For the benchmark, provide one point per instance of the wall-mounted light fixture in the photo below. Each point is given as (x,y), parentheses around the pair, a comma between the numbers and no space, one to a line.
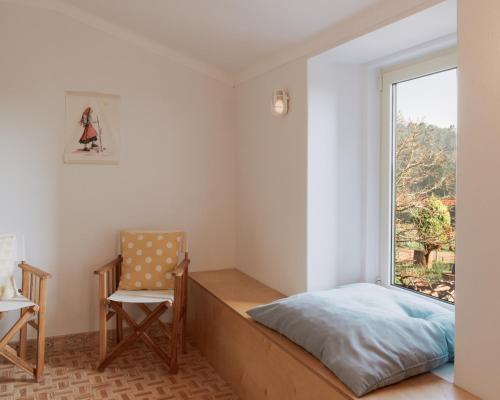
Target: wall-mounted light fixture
(279,103)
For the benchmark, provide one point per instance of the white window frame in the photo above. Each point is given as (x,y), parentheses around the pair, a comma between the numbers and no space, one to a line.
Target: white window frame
(437,63)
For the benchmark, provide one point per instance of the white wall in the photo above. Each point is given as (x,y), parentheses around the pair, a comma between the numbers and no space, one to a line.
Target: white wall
(478,217)
(272,180)
(322,170)
(336,115)
(370,192)
(177,166)
(350,92)
(304,170)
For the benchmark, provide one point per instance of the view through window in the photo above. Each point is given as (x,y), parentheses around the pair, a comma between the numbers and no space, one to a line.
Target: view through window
(424,180)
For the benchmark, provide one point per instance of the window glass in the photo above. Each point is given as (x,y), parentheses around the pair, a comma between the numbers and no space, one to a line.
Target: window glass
(423,181)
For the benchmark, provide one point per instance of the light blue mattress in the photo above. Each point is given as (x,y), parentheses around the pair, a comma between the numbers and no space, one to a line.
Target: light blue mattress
(369,336)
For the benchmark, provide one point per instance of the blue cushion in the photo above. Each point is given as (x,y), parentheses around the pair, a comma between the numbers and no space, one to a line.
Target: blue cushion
(369,336)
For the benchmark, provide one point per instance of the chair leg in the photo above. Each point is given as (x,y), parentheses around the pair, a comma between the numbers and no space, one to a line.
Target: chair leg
(23,337)
(23,333)
(8,352)
(173,367)
(184,311)
(183,335)
(103,332)
(40,349)
(174,341)
(119,327)
(139,330)
(40,345)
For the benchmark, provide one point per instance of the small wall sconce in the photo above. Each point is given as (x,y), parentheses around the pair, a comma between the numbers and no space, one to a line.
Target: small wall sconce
(279,103)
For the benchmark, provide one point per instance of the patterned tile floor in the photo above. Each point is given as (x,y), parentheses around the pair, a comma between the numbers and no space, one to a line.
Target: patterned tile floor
(70,374)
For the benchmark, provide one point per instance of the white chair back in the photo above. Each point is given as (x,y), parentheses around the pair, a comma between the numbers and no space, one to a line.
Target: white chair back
(8,258)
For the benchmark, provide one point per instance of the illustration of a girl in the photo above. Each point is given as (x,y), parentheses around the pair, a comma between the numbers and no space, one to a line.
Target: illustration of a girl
(89,134)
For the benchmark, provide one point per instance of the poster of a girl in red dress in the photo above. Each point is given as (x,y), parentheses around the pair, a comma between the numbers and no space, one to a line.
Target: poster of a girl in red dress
(89,134)
(92,128)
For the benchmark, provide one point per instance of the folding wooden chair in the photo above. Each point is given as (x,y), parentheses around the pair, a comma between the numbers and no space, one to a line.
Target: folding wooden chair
(112,298)
(31,303)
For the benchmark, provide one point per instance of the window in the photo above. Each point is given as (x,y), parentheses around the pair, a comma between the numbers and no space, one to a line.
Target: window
(419,164)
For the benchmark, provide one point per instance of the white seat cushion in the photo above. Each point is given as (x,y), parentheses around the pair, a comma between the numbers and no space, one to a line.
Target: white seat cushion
(142,296)
(16,303)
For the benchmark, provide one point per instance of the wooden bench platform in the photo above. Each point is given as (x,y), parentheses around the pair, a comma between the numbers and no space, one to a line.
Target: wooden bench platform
(260,363)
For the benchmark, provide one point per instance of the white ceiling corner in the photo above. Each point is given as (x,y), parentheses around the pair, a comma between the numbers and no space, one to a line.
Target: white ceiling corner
(218,37)
(234,40)
(122,32)
(369,19)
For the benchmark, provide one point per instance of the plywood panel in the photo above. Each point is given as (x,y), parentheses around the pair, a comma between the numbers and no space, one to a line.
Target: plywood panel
(254,366)
(262,364)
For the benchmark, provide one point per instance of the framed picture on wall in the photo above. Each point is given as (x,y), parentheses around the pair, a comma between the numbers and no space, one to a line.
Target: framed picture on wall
(92,129)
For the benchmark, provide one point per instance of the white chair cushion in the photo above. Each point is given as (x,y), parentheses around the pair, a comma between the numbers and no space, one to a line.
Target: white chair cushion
(16,303)
(142,296)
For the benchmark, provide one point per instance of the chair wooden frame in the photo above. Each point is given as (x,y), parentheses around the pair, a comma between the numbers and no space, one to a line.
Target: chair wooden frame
(109,279)
(34,288)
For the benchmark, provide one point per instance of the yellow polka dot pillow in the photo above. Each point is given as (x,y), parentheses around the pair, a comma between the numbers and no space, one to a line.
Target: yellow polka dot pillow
(148,259)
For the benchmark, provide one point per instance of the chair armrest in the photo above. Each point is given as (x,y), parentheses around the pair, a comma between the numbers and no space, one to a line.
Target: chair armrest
(109,277)
(35,271)
(181,268)
(34,285)
(108,267)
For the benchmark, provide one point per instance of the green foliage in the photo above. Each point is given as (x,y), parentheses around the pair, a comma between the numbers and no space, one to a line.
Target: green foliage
(433,224)
(432,275)
(411,245)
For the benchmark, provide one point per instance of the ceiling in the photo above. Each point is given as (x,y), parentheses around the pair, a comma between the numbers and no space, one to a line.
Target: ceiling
(440,23)
(228,34)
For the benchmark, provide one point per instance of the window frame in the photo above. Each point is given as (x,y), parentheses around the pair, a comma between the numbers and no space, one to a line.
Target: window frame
(435,63)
